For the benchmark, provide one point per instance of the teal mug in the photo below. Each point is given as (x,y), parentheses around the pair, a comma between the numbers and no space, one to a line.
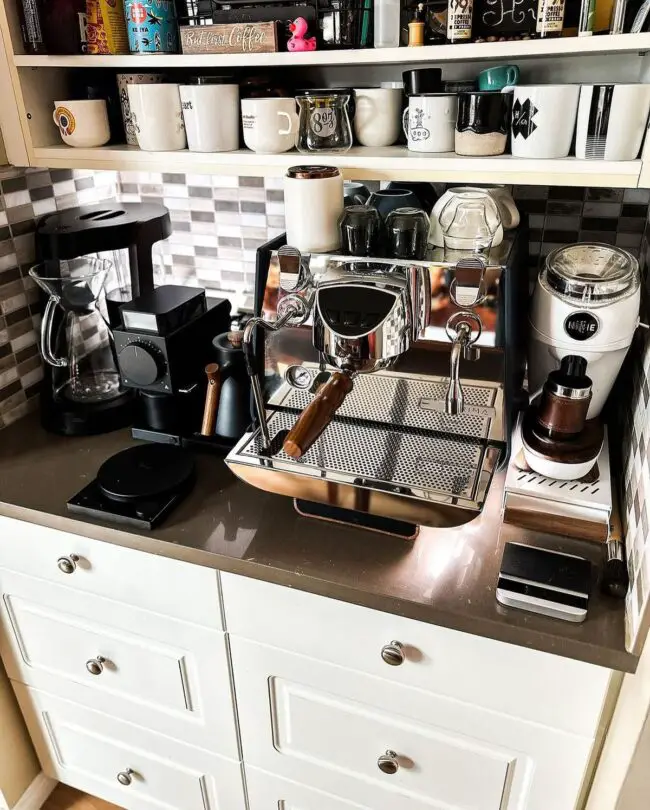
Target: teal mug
(496,78)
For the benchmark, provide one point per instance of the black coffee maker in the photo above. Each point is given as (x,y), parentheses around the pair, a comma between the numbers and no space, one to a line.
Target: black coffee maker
(93,253)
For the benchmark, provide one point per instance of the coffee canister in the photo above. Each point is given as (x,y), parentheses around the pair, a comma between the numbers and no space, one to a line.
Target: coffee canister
(313,204)
(152,26)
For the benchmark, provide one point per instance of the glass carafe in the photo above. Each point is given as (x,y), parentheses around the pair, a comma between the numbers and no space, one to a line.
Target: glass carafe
(324,121)
(75,339)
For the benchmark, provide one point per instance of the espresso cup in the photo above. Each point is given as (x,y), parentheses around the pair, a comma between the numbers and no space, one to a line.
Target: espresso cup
(211,115)
(82,123)
(270,124)
(543,120)
(612,120)
(496,78)
(377,115)
(482,123)
(429,122)
(157,117)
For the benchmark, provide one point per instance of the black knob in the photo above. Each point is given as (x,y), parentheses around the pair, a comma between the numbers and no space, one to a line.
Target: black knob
(141,364)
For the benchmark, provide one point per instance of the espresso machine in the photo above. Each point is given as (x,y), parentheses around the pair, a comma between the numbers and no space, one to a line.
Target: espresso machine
(385,390)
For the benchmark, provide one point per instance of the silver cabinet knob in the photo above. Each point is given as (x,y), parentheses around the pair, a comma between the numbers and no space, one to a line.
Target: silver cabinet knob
(68,564)
(96,665)
(387,763)
(393,653)
(125,777)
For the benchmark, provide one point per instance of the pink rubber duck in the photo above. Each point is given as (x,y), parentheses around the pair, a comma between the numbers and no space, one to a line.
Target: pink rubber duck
(298,41)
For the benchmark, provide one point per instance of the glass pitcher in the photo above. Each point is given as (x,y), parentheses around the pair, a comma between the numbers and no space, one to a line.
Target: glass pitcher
(78,342)
(324,121)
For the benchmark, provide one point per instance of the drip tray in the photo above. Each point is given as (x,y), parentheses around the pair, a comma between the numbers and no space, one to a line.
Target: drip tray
(409,464)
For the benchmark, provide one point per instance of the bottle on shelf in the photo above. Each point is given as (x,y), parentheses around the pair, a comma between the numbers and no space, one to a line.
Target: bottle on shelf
(459,20)
(31,26)
(387,23)
(550,18)
(53,26)
(416,27)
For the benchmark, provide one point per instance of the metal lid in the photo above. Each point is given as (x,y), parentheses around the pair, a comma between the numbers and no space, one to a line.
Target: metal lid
(312,172)
(590,273)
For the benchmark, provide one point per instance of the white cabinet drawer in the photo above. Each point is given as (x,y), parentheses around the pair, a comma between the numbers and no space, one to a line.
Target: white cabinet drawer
(167,675)
(558,692)
(88,750)
(269,792)
(171,587)
(326,727)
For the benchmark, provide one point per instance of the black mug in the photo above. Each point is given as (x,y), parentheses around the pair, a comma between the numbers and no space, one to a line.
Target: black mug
(483,122)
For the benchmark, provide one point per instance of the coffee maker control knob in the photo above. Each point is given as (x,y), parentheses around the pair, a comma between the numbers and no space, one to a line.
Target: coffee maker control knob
(141,364)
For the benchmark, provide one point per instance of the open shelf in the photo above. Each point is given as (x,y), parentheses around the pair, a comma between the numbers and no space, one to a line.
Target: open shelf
(479,51)
(360,163)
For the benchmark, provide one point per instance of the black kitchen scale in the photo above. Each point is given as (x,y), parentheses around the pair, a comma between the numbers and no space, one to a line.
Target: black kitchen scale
(138,487)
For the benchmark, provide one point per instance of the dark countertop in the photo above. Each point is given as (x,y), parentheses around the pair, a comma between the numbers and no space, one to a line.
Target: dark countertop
(446,577)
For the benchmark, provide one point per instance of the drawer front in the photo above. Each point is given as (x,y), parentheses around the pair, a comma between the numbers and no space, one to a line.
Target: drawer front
(88,750)
(173,588)
(170,676)
(269,792)
(557,692)
(329,728)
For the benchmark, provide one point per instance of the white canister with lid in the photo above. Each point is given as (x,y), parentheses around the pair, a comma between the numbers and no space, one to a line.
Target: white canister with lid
(313,203)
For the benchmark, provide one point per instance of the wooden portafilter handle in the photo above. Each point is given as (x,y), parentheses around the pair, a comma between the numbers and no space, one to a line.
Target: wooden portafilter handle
(211,399)
(317,415)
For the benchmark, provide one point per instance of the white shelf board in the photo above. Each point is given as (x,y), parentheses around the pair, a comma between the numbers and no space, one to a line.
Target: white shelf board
(360,163)
(475,51)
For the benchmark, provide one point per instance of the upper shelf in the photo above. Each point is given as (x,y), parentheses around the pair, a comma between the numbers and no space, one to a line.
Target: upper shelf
(479,51)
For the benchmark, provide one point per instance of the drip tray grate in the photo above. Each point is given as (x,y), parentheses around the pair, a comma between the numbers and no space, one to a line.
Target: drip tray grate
(399,401)
(411,463)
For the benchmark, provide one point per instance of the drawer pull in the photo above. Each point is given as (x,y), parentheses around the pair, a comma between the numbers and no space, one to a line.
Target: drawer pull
(96,665)
(393,653)
(68,564)
(125,778)
(387,763)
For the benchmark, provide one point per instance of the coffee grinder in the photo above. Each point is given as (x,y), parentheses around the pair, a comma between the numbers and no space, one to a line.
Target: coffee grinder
(72,247)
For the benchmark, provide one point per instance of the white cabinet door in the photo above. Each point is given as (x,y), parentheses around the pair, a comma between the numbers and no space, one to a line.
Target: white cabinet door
(126,764)
(269,792)
(547,689)
(166,675)
(174,588)
(327,727)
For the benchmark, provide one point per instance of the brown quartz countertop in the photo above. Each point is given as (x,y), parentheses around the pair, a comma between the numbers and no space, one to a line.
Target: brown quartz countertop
(446,577)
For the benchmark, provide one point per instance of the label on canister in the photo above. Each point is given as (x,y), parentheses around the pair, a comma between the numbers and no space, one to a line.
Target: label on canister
(152,26)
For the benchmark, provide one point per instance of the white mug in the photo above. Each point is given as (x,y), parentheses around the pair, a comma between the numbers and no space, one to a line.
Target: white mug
(157,117)
(82,123)
(211,115)
(612,120)
(377,115)
(543,120)
(270,124)
(123,80)
(429,122)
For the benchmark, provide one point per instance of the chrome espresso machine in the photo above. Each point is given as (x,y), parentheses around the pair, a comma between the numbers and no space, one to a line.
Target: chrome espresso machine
(385,391)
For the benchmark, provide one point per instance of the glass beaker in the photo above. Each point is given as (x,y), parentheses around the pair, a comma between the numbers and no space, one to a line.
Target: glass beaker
(469,221)
(78,342)
(324,121)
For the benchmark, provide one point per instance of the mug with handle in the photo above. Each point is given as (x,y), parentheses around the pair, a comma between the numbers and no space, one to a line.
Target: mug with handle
(429,122)
(263,121)
(377,115)
(82,123)
(498,78)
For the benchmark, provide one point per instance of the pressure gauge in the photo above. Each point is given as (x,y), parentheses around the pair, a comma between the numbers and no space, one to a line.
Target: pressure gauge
(298,377)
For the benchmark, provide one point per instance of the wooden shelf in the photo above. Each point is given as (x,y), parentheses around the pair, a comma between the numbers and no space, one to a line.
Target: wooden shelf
(360,163)
(437,54)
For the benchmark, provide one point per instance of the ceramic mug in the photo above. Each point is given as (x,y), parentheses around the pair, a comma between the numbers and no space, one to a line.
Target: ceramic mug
(82,123)
(497,78)
(429,122)
(157,117)
(612,120)
(211,115)
(377,115)
(543,120)
(123,80)
(483,123)
(270,124)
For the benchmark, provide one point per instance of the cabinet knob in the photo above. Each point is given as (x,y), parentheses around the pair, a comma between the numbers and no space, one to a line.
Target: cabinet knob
(393,653)
(125,777)
(96,665)
(68,564)
(387,763)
